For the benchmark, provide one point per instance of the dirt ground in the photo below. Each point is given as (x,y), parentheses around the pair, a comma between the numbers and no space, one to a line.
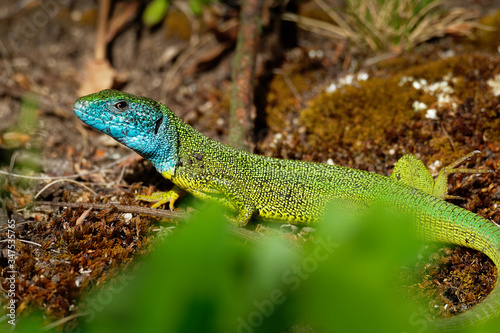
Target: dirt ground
(185,63)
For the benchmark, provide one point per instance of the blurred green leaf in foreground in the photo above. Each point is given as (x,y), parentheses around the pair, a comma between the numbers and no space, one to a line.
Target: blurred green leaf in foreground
(203,279)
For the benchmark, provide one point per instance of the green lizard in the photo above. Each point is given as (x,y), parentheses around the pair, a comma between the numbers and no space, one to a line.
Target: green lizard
(292,191)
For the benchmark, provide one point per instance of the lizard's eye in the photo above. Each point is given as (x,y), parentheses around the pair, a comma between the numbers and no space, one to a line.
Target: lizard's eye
(121,105)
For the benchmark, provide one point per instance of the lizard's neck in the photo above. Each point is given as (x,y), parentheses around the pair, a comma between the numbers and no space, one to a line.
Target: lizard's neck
(164,156)
(192,144)
(180,144)
(188,149)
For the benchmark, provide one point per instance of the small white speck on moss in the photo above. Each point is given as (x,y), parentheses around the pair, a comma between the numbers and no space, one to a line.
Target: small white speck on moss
(431,114)
(277,138)
(435,166)
(418,106)
(127,217)
(363,76)
(347,80)
(494,84)
(331,88)
(405,79)
(419,84)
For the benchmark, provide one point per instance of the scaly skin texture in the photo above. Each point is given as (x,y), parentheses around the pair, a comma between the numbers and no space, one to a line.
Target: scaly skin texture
(292,191)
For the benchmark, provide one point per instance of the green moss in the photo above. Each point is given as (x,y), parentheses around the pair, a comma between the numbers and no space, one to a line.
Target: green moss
(281,100)
(459,277)
(379,112)
(358,116)
(490,38)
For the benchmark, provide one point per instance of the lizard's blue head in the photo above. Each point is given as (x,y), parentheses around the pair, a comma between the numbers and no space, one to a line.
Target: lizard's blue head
(140,123)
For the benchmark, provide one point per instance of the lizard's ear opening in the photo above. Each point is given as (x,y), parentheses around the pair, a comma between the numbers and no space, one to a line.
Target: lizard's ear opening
(158,124)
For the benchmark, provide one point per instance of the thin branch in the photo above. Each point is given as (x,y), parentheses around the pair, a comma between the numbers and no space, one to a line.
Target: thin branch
(21,240)
(64,320)
(123,208)
(242,233)
(65,180)
(242,112)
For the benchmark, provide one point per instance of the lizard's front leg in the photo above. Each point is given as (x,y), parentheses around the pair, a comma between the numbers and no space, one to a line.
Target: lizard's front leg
(160,198)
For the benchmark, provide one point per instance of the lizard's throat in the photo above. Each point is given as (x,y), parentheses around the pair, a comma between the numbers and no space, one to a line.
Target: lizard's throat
(164,158)
(161,151)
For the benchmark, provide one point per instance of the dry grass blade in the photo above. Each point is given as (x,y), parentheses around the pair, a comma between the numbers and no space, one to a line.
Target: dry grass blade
(316,26)
(415,20)
(337,18)
(390,24)
(458,21)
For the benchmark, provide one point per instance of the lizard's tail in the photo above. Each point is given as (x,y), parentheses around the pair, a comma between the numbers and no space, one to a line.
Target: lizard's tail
(462,227)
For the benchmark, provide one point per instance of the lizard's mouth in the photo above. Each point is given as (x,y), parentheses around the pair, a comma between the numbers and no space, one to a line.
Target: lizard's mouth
(83,110)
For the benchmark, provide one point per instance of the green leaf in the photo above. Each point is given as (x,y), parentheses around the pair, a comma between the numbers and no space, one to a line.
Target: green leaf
(200,279)
(155,12)
(351,285)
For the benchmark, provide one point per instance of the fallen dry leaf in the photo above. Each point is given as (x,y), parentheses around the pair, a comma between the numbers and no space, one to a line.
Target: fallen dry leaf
(98,75)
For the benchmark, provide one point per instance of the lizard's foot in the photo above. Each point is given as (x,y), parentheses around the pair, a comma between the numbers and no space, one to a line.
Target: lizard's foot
(243,217)
(160,198)
(411,171)
(441,184)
